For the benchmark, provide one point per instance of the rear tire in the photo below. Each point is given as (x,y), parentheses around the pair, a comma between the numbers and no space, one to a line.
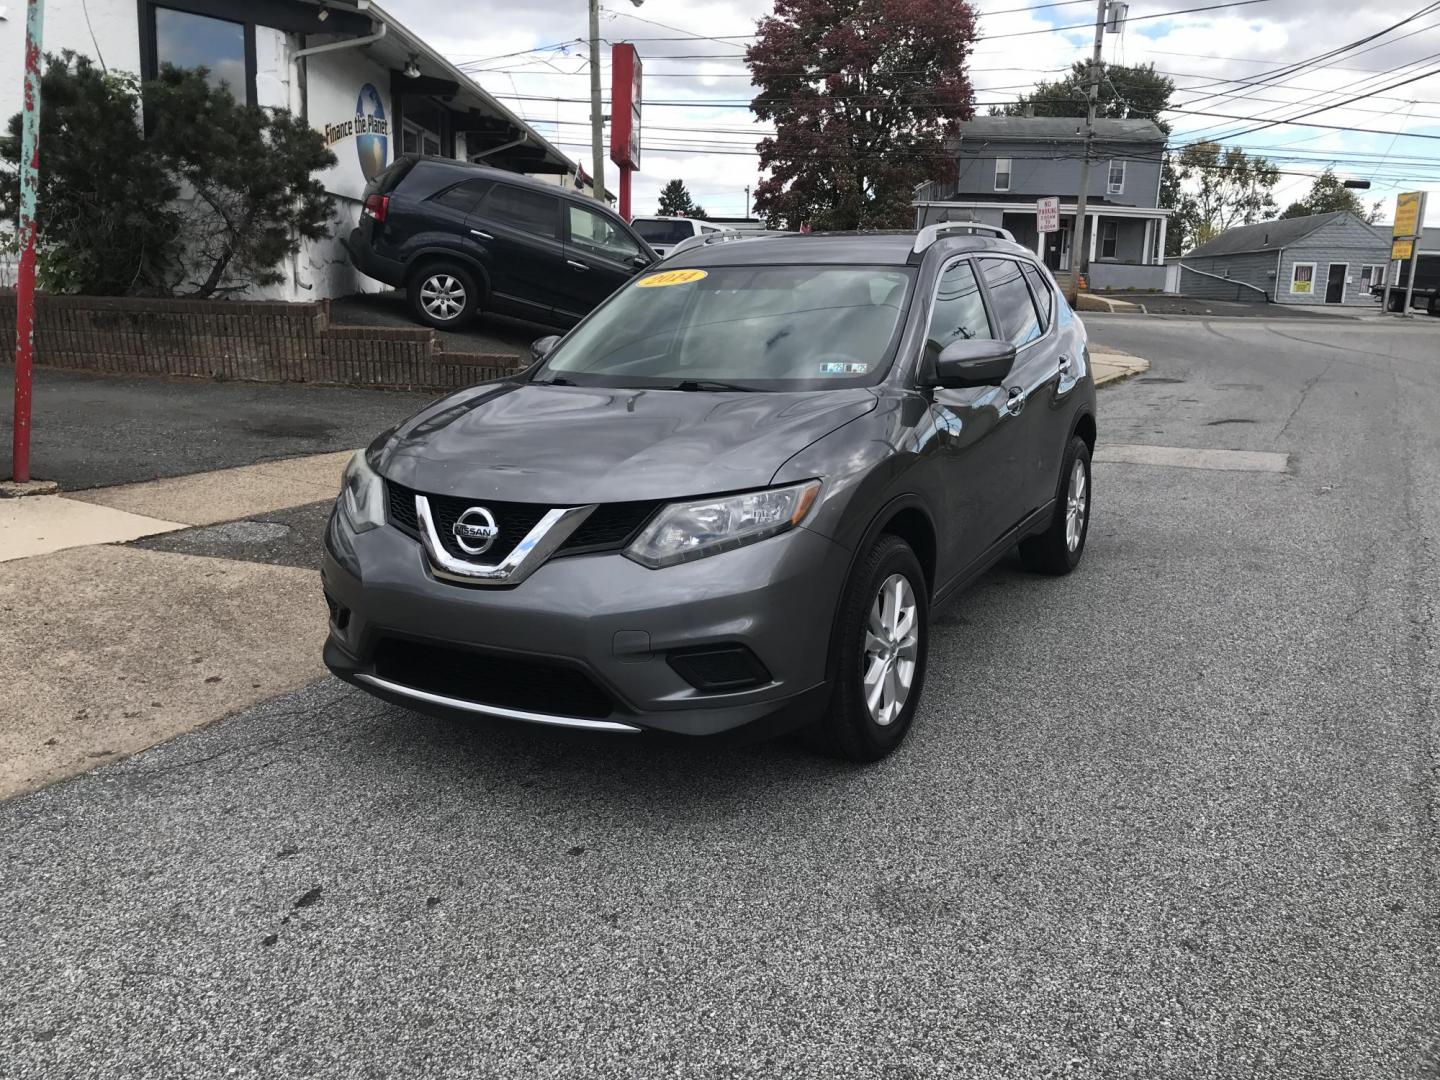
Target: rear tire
(443,295)
(1058,549)
(883,638)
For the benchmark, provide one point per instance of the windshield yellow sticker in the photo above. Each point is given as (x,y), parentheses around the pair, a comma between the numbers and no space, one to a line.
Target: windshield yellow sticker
(670,277)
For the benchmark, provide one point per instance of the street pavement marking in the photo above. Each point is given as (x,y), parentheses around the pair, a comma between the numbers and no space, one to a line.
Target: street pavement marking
(1185,457)
(40,524)
(227,494)
(110,650)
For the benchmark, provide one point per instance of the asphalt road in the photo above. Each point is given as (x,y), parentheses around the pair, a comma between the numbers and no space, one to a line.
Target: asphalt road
(1171,817)
(97,430)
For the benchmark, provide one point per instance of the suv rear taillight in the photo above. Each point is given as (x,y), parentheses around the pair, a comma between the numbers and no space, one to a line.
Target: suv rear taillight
(377,206)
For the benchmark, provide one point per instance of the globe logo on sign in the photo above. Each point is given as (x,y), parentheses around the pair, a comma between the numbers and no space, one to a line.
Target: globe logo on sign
(371,140)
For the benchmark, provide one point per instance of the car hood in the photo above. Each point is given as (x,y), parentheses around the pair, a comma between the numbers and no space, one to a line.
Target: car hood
(520,442)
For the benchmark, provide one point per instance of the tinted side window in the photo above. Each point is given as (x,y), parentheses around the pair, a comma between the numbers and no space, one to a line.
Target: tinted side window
(463,197)
(959,312)
(1041,288)
(1014,308)
(529,211)
(597,233)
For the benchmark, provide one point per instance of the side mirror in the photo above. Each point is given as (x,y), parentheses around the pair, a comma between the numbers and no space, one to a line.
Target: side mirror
(543,347)
(640,262)
(976,362)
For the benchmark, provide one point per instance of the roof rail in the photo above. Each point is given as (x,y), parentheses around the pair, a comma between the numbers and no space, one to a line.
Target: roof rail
(931,233)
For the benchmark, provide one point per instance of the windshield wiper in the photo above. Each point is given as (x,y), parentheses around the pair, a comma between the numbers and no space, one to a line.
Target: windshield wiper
(710,385)
(556,380)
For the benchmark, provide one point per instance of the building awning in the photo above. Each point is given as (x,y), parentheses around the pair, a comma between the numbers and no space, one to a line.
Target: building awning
(490,129)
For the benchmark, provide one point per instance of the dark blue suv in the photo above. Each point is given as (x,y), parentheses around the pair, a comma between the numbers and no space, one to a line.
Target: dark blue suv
(461,238)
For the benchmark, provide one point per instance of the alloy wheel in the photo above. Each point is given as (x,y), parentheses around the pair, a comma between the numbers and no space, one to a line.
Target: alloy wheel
(1077,504)
(892,642)
(442,296)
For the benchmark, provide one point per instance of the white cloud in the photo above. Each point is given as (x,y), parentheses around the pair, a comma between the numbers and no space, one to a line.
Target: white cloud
(1195,49)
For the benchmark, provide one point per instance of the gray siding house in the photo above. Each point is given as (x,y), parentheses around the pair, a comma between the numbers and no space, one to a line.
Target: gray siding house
(1320,259)
(1004,164)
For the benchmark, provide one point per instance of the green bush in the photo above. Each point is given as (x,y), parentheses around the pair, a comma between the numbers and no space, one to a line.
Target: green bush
(205,197)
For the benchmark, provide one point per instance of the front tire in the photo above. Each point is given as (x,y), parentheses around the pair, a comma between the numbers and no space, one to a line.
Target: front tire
(443,295)
(881,651)
(1058,549)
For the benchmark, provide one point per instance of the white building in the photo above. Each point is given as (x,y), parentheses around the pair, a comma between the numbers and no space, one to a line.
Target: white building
(369,85)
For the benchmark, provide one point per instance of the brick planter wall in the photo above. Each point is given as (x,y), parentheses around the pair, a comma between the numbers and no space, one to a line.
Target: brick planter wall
(253,341)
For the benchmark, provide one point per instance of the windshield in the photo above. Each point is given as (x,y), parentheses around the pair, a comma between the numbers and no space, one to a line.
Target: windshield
(663,232)
(739,327)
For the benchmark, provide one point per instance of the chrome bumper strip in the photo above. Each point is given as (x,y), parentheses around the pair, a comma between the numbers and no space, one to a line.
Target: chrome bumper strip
(497,710)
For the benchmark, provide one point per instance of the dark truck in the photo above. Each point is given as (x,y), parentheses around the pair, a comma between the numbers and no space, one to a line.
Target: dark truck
(1426,296)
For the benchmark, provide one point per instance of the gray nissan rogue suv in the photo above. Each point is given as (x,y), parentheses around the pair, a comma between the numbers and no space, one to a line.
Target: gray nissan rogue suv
(729,499)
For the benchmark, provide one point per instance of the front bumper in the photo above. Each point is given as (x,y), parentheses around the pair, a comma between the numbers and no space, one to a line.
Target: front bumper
(602,615)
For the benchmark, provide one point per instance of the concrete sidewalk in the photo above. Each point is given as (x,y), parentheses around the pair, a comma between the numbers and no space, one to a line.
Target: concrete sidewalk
(1109,365)
(109,648)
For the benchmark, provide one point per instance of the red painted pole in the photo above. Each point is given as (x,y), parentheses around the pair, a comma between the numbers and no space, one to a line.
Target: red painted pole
(25,280)
(625,172)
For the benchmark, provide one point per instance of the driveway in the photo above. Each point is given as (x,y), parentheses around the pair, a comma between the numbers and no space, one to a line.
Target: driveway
(1171,816)
(487,333)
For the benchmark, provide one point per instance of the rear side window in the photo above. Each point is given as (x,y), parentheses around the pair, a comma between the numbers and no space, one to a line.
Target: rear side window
(463,197)
(390,176)
(663,232)
(1041,288)
(533,212)
(1014,308)
(959,312)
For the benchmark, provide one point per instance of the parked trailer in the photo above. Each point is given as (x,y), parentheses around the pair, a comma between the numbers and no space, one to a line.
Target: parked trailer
(1426,296)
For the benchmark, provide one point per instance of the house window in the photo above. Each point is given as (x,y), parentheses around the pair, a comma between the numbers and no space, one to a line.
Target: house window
(1115,184)
(1109,235)
(184,39)
(1002,174)
(415,139)
(1302,279)
(1371,275)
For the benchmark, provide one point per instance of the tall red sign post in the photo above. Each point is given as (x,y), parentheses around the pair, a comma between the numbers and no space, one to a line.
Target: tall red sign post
(625,117)
(25,280)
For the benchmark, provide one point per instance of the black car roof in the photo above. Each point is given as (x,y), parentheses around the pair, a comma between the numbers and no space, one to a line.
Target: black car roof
(872,248)
(489,172)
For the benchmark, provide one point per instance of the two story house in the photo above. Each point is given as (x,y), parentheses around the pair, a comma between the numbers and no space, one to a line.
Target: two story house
(1003,164)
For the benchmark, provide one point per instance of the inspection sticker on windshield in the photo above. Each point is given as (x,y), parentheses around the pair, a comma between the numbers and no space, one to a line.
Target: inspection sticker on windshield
(670,277)
(843,369)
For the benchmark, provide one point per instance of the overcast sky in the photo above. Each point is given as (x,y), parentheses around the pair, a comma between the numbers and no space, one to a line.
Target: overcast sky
(707,137)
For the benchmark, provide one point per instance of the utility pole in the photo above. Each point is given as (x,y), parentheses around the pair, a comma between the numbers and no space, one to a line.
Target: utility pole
(597,121)
(746,215)
(1082,249)
(25,279)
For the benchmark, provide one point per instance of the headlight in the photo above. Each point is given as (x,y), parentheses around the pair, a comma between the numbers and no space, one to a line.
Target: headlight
(692,530)
(362,495)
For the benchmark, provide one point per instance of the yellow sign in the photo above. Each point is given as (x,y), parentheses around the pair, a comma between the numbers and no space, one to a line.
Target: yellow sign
(1407,214)
(670,277)
(1402,249)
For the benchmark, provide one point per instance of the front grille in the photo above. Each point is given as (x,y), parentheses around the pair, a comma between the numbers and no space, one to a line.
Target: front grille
(509,682)
(610,526)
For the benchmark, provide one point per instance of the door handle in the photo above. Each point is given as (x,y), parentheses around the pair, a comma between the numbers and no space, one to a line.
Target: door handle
(482,235)
(576,265)
(1016,401)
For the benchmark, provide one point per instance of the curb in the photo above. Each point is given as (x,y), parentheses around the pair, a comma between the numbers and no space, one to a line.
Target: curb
(11,489)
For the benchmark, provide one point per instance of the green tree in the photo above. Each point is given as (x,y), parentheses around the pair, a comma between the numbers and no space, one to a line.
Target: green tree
(1125,93)
(105,209)
(1229,187)
(675,201)
(207,198)
(862,94)
(1327,195)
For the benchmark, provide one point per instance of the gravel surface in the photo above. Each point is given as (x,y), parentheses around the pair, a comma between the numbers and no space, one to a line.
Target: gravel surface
(1170,817)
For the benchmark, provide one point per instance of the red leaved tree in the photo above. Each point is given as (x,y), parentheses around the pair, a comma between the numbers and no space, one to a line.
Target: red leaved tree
(862,94)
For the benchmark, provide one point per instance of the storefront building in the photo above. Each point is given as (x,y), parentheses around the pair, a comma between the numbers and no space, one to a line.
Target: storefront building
(371,87)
